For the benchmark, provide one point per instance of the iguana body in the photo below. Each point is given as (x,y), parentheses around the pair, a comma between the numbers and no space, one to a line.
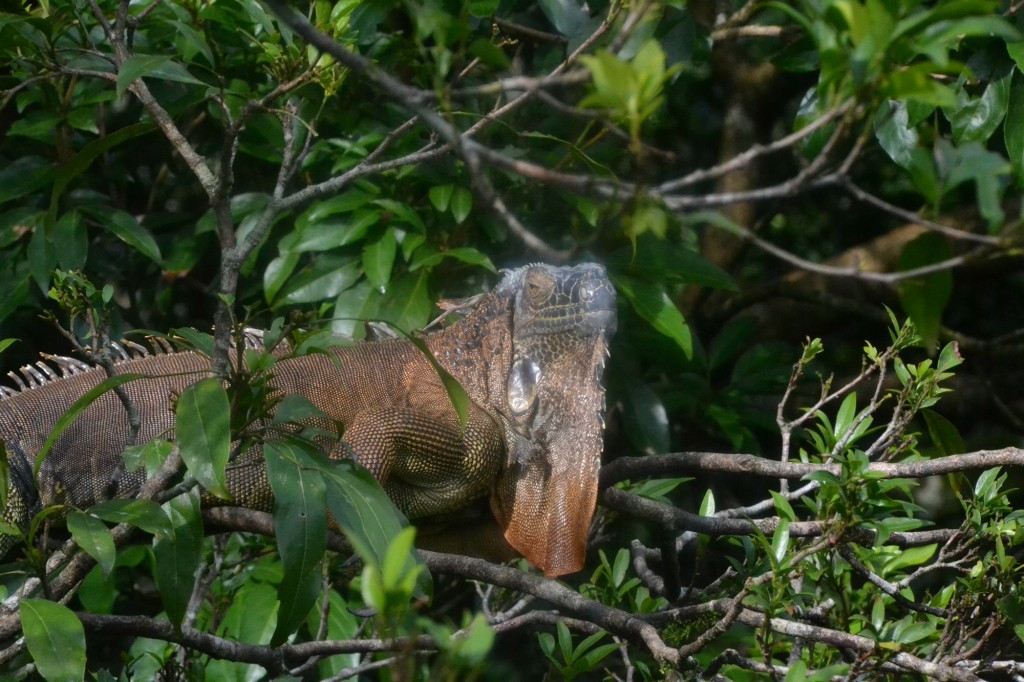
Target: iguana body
(529,356)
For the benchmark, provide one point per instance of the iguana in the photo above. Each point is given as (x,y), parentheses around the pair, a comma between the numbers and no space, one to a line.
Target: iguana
(529,355)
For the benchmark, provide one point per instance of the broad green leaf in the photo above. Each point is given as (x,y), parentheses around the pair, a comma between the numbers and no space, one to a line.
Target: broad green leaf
(191,43)
(407,304)
(977,119)
(250,619)
(89,153)
(252,614)
(70,241)
(124,226)
(353,307)
(76,409)
(652,303)
(894,133)
(462,204)
(1013,128)
(152,66)
(924,298)
(150,455)
(845,416)
(782,507)
(277,273)
(42,258)
(426,257)
(203,432)
(319,211)
(55,638)
(910,557)
(943,433)
(569,17)
(198,341)
(647,423)
(177,554)
(323,236)
(93,536)
(402,213)
(24,176)
(300,524)
(973,162)
(144,514)
(97,592)
(326,278)
(440,196)
(363,510)
(378,259)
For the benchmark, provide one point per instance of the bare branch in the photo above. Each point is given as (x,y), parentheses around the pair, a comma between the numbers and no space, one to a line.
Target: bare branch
(655,466)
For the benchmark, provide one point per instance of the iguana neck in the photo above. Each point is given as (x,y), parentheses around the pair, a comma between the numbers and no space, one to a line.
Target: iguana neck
(478,349)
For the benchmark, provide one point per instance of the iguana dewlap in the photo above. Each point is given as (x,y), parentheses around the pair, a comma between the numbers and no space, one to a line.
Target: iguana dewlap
(529,355)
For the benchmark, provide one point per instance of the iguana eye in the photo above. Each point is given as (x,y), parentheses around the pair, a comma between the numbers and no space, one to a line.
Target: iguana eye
(521,389)
(538,287)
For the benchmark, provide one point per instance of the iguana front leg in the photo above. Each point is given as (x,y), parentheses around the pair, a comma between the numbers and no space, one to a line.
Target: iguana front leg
(426,461)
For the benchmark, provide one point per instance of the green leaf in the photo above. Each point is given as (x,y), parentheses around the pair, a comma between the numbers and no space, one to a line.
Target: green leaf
(70,241)
(76,408)
(124,226)
(378,259)
(1013,128)
(252,616)
(363,510)
(203,431)
(782,507)
(977,119)
(440,196)
(42,258)
(55,638)
(647,423)
(89,153)
(24,176)
(894,134)
(924,298)
(462,204)
(277,273)
(329,275)
(407,304)
(93,536)
(353,307)
(300,524)
(944,435)
(152,66)
(845,416)
(707,505)
(426,257)
(144,514)
(177,554)
(323,236)
(652,303)
(909,557)
(780,541)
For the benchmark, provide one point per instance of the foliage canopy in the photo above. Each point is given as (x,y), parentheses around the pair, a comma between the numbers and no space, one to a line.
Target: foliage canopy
(762,180)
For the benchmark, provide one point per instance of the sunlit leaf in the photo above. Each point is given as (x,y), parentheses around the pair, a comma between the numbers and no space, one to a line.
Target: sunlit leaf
(204,433)
(55,638)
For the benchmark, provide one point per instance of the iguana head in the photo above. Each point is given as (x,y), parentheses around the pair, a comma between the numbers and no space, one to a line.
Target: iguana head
(554,412)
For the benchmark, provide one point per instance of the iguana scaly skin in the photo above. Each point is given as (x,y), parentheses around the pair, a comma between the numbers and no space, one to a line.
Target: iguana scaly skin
(529,356)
